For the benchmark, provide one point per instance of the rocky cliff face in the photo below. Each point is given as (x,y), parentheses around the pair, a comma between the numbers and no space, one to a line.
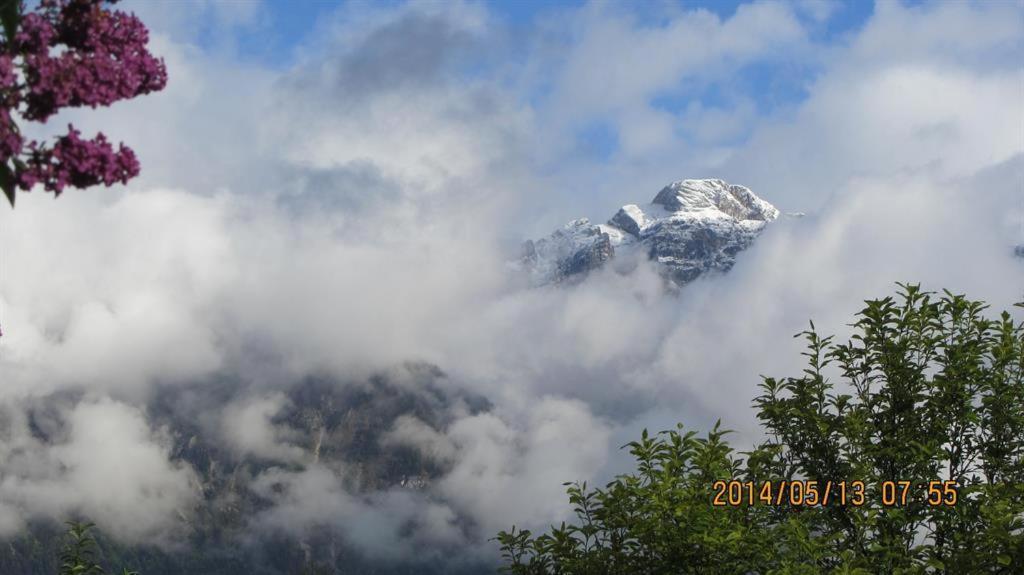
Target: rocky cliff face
(690,228)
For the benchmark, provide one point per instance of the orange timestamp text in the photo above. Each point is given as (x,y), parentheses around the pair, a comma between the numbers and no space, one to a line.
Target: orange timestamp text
(822,493)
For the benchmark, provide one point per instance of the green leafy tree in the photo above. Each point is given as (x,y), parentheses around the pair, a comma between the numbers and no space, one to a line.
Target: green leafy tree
(931,391)
(927,398)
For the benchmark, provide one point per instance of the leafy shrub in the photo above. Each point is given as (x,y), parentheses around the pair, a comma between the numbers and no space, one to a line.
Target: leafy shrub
(929,391)
(78,556)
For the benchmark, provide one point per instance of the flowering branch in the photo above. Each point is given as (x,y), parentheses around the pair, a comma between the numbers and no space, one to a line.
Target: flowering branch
(68,54)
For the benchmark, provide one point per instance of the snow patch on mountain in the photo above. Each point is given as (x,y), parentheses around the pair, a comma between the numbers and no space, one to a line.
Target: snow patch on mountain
(691,227)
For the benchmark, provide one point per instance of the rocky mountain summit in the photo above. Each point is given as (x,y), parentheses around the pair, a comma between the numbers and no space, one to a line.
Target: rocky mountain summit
(691,227)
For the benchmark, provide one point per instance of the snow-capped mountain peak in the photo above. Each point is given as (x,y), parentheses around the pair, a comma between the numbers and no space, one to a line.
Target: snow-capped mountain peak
(689,228)
(713,196)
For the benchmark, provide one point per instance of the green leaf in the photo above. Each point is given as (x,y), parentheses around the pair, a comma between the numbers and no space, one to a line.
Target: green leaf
(10,17)
(7,180)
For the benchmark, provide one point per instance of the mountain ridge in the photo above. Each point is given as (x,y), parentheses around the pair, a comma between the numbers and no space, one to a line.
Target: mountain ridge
(690,228)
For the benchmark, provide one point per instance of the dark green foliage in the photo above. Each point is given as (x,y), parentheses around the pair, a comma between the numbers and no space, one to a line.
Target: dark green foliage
(10,16)
(660,520)
(927,389)
(78,555)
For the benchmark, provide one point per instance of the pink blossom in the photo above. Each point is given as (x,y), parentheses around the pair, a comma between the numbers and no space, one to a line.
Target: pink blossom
(7,77)
(106,60)
(35,34)
(78,163)
(72,53)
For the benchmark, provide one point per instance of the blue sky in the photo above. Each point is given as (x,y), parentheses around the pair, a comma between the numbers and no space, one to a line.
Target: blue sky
(295,19)
(284,27)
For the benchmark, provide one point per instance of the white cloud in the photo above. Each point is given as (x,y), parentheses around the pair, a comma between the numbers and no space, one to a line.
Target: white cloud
(108,465)
(616,65)
(411,432)
(112,295)
(248,427)
(389,525)
(912,92)
(509,473)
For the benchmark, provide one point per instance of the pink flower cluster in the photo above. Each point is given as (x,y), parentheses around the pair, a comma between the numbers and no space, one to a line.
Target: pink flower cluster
(80,163)
(72,53)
